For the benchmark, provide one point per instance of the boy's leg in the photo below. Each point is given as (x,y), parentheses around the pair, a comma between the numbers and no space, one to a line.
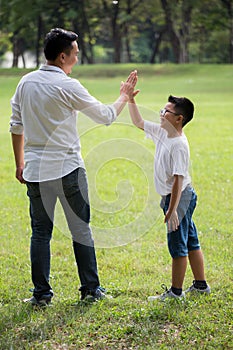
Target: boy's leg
(196,261)
(179,266)
(177,246)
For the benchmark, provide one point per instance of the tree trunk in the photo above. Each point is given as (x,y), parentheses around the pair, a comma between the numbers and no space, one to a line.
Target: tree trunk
(39,35)
(23,59)
(127,43)
(126,31)
(175,42)
(84,28)
(231,41)
(229,6)
(116,36)
(187,7)
(117,49)
(16,52)
(158,39)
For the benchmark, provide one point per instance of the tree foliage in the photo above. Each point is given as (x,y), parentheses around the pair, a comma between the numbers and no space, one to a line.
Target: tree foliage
(153,31)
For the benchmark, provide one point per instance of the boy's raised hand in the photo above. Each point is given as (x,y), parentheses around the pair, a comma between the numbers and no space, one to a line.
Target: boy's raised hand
(127,87)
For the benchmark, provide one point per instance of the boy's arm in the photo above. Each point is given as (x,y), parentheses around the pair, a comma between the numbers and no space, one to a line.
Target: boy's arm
(135,114)
(171,216)
(127,89)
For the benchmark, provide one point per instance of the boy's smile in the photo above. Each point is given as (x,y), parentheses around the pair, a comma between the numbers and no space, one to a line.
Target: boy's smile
(170,119)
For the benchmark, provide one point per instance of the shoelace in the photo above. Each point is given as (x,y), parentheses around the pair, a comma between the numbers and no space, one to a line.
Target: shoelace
(164,287)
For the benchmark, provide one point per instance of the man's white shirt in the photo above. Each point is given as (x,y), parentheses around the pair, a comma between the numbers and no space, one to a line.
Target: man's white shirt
(44,109)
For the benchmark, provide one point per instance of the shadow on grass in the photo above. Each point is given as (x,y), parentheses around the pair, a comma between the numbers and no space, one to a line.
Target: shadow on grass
(24,323)
(122,322)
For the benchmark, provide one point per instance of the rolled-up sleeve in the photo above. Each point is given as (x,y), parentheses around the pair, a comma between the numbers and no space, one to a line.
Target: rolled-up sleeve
(16,125)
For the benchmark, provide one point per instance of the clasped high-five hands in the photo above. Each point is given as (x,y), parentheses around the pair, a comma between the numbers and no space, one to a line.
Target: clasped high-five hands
(127,88)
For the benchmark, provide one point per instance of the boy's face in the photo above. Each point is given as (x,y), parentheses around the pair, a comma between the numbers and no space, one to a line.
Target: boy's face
(169,118)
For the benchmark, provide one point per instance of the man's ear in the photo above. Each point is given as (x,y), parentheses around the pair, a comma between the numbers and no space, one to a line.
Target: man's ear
(180,118)
(62,57)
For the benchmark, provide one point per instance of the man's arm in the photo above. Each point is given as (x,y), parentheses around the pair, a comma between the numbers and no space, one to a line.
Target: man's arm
(18,144)
(126,92)
(101,113)
(171,216)
(120,103)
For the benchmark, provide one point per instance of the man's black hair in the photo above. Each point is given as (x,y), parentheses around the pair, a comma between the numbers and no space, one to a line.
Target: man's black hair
(184,106)
(58,40)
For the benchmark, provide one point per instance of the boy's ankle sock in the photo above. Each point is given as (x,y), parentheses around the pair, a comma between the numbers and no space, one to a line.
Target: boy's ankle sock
(176,291)
(200,284)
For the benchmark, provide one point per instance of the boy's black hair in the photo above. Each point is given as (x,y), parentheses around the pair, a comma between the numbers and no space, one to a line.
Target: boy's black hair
(58,40)
(184,106)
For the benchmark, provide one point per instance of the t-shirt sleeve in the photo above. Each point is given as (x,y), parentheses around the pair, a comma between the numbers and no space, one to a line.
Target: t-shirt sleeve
(151,130)
(180,161)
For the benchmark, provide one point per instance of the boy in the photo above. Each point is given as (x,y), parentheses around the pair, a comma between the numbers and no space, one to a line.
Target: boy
(173,183)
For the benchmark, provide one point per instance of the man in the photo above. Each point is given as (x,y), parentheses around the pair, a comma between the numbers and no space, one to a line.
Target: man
(48,159)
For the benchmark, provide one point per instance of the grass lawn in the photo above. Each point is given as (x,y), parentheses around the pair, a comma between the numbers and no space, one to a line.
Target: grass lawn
(127,224)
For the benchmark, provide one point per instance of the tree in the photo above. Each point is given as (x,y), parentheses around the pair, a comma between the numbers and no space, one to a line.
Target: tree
(209,31)
(228,4)
(19,21)
(112,10)
(175,42)
(120,17)
(125,30)
(82,13)
(178,18)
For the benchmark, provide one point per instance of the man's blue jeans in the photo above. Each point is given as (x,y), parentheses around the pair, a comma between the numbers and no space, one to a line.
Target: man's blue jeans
(72,191)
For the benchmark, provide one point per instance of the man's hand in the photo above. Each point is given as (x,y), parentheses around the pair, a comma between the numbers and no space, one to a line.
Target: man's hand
(19,175)
(172,220)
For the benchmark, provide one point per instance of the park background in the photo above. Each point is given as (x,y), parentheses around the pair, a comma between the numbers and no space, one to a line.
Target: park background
(127,223)
(124,31)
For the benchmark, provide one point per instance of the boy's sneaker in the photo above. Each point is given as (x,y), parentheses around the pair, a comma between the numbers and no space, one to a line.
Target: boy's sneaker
(42,302)
(92,296)
(193,289)
(167,294)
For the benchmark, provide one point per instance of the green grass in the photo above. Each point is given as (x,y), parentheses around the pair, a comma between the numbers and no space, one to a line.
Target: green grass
(130,236)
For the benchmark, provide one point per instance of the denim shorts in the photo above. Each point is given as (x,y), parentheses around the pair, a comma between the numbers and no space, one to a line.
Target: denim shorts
(185,238)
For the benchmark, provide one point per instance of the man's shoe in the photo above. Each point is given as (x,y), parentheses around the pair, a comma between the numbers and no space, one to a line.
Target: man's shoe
(92,296)
(167,294)
(42,302)
(193,289)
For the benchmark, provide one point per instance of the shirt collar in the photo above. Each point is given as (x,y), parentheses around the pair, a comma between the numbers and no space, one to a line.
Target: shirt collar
(50,68)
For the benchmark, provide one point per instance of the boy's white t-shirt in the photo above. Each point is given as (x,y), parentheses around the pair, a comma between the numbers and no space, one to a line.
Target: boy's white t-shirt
(171,158)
